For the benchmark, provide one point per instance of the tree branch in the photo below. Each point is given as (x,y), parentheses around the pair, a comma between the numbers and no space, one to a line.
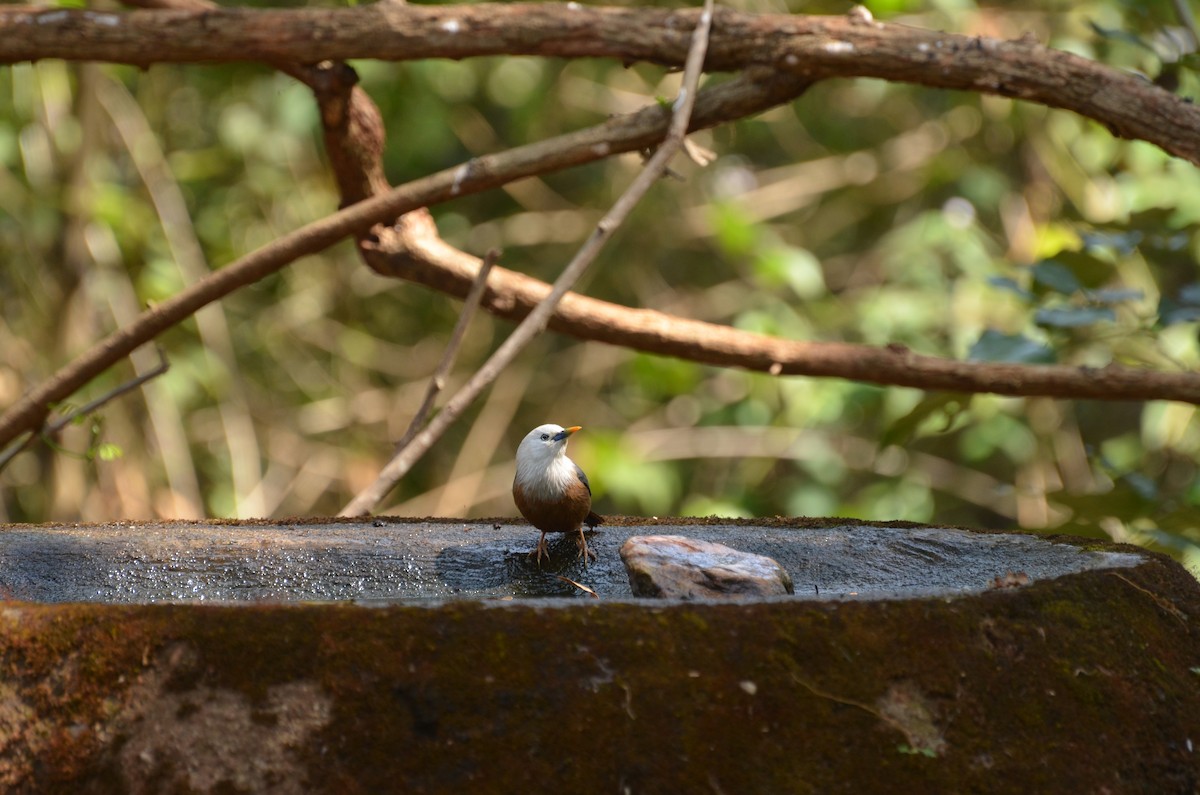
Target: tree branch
(420,255)
(809,47)
(88,408)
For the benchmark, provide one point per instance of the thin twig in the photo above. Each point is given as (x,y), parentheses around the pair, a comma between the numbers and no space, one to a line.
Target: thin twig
(438,382)
(536,321)
(125,388)
(361,503)
(579,585)
(187,254)
(1183,9)
(54,427)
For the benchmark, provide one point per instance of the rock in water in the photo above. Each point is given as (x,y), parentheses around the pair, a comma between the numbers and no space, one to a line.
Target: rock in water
(677,567)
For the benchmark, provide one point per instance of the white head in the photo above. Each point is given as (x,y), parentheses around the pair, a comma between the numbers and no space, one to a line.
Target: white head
(542,461)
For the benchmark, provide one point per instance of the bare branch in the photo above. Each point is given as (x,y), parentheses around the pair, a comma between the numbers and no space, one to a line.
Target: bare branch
(87,408)
(809,47)
(362,502)
(438,382)
(535,322)
(635,132)
(124,389)
(424,258)
(1187,19)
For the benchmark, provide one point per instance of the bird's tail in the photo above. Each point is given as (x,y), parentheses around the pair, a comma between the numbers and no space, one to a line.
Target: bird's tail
(593,519)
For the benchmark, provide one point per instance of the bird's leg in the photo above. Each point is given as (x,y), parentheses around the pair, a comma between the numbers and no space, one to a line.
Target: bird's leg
(584,552)
(541,550)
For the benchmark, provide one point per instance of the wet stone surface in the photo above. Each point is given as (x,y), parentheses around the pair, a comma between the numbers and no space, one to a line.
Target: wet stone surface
(389,560)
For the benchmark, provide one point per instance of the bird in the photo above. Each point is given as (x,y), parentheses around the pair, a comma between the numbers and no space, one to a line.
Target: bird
(550,490)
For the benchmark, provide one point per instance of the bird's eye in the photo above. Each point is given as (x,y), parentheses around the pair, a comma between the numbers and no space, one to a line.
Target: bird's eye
(545,437)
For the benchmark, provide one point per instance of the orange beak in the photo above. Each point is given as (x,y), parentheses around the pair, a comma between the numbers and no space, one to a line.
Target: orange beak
(565,432)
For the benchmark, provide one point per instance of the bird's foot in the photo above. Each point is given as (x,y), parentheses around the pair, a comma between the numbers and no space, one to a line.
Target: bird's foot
(584,552)
(541,551)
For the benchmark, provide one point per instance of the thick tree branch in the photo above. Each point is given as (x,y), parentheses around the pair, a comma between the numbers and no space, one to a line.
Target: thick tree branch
(810,47)
(421,256)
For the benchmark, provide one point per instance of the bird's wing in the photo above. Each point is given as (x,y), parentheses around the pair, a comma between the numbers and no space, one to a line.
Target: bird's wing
(583,478)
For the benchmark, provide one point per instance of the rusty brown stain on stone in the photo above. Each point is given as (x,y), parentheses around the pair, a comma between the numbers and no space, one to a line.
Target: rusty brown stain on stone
(204,738)
(905,707)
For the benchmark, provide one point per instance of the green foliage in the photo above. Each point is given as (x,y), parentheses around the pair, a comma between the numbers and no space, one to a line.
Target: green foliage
(994,346)
(1183,308)
(652,488)
(936,412)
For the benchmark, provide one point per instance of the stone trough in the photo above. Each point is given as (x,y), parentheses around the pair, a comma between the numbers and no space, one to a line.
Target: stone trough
(435,656)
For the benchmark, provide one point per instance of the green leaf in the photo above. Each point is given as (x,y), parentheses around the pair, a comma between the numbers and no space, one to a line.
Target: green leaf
(1115,295)
(1115,34)
(1074,316)
(945,406)
(795,267)
(1056,276)
(109,451)
(1009,284)
(993,346)
(736,233)
(1190,294)
(1172,312)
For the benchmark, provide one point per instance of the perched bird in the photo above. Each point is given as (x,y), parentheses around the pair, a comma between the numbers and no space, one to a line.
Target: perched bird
(551,490)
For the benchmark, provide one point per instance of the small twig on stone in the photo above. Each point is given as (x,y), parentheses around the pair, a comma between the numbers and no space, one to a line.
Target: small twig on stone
(579,585)
(536,321)
(361,504)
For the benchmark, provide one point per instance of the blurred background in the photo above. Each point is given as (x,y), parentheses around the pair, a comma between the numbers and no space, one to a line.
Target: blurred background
(959,225)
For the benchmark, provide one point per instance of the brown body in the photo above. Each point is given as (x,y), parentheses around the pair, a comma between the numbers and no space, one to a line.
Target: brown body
(567,514)
(563,515)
